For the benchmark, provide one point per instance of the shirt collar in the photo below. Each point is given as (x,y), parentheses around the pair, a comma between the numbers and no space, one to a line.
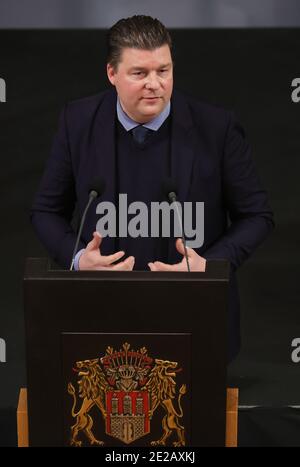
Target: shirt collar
(154,124)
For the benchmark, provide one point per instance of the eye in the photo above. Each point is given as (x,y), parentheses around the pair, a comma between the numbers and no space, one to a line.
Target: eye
(138,73)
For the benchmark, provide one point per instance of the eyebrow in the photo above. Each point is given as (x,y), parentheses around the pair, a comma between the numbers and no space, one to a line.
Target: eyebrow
(141,68)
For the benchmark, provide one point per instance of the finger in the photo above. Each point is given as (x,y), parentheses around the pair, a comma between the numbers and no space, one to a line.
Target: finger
(196,262)
(126,265)
(199,264)
(110,259)
(165,267)
(152,267)
(183,265)
(95,243)
(180,248)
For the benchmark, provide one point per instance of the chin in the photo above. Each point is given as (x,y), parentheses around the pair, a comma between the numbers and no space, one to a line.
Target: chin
(153,110)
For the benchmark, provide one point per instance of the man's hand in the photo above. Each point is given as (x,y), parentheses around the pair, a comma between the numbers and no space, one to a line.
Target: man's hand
(91,258)
(197,263)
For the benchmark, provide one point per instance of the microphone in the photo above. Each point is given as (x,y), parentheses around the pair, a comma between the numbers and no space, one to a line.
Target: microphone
(96,188)
(170,190)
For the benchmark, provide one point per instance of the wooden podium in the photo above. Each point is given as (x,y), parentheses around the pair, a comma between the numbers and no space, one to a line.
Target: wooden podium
(155,344)
(231,418)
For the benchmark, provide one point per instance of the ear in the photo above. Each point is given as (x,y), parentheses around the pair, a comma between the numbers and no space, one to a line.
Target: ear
(111,74)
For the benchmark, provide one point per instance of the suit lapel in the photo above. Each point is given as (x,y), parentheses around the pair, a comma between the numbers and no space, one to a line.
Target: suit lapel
(104,134)
(183,141)
(182,146)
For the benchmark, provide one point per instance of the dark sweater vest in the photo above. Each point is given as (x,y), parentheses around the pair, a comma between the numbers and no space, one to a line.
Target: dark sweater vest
(141,169)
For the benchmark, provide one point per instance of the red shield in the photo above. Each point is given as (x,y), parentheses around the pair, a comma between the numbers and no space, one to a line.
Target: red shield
(127,415)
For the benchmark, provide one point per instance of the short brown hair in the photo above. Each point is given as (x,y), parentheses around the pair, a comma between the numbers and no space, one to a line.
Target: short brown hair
(138,32)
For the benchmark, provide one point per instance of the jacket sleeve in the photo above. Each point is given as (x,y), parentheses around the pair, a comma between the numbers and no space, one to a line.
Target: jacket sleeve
(249,213)
(55,200)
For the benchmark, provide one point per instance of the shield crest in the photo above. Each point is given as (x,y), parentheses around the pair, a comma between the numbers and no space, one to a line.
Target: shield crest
(127,415)
(127,386)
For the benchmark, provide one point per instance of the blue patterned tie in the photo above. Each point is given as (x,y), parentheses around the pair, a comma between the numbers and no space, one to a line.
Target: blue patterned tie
(140,133)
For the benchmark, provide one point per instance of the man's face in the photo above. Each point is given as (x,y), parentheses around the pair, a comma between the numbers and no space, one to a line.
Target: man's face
(144,81)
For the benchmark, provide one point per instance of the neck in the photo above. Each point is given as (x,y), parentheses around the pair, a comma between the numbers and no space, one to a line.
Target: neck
(137,119)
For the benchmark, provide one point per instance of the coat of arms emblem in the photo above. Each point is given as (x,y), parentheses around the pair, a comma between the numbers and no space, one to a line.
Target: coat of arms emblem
(127,386)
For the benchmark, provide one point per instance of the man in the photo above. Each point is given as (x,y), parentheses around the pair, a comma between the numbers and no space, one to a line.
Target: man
(135,136)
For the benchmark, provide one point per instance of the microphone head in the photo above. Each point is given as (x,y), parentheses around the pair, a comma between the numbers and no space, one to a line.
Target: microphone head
(97,187)
(169,189)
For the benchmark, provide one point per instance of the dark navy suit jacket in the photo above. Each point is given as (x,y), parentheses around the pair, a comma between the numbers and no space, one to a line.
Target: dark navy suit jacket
(210,162)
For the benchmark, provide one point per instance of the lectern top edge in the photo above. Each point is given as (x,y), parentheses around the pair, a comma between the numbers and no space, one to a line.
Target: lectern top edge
(44,269)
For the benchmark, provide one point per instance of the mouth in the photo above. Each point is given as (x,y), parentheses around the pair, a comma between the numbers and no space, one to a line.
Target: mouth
(174,372)
(151,98)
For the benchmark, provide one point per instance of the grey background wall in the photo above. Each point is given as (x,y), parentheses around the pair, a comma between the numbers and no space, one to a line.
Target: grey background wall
(173,13)
(248,70)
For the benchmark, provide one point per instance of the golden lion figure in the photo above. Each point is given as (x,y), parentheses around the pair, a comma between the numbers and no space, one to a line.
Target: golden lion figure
(162,388)
(92,388)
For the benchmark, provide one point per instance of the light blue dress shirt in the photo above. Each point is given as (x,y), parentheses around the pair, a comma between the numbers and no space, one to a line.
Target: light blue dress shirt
(154,124)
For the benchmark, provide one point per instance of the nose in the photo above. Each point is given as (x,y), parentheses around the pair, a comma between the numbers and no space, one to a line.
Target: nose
(152,82)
